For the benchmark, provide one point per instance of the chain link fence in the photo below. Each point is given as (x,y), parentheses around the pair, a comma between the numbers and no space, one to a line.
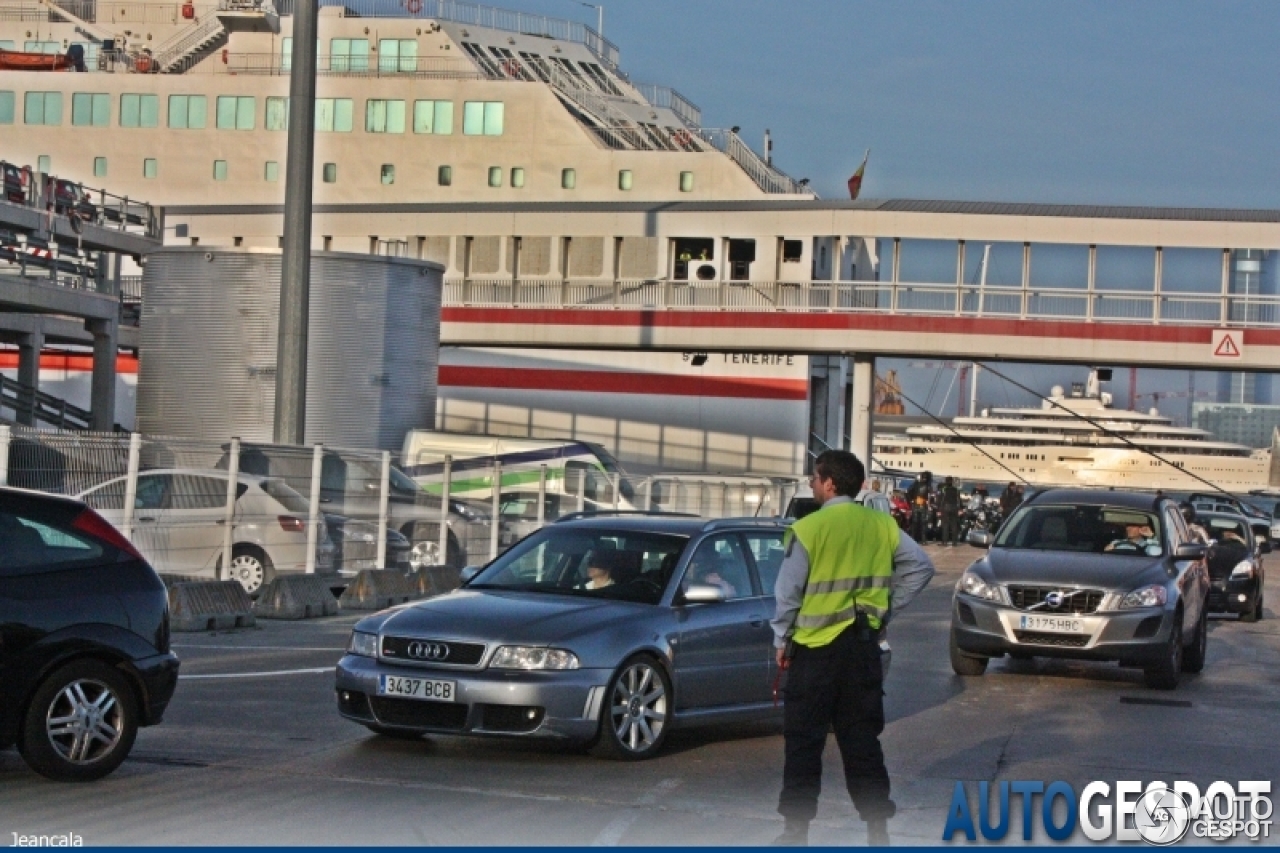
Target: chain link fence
(248,511)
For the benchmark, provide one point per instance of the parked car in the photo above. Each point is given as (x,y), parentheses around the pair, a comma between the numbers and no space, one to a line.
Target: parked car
(1236,573)
(179,518)
(84,638)
(356,546)
(525,650)
(518,512)
(1093,575)
(1227,503)
(68,197)
(350,486)
(15,188)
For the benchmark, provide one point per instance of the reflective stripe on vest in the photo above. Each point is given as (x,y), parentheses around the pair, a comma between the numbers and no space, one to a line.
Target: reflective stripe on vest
(850,550)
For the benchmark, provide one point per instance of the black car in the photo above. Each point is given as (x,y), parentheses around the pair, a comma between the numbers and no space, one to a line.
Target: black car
(84,638)
(1235,565)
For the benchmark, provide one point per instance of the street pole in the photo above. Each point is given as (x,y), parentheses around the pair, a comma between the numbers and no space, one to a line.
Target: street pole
(295,265)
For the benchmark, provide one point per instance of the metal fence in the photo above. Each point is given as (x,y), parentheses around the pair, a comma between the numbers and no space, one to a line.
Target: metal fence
(80,204)
(248,511)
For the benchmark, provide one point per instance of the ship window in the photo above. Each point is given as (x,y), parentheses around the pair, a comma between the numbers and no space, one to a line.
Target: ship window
(140,110)
(90,110)
(444,176)
(99,167)
(397,55)
(483,118)
(495,176)
(187,112)
(8,44)
(219,170)
(625,180)
(44,163)
(348,54)
(384,116)
(6,107)
(42,108)
(686,182)
(286,53)
(51,48)
(235,112)
(517,177)
(150,168)
(329,173)
(277,115)
(568,179)
(434,117)
(333,115)
(688,250)
(271,173)
(388,173)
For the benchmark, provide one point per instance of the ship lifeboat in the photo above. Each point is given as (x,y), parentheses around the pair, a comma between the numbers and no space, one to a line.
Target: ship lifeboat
(16,60)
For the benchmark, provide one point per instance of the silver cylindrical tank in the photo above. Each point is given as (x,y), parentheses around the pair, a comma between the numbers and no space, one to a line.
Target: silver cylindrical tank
(208,347)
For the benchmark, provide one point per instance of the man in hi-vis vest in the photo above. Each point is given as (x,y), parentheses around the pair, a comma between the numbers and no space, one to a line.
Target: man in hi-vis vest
(846,568)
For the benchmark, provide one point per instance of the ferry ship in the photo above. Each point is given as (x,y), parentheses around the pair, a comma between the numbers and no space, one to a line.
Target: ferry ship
(1075,438)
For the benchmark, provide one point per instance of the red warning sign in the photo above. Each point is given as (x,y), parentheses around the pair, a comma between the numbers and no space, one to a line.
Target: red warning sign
(1228,344)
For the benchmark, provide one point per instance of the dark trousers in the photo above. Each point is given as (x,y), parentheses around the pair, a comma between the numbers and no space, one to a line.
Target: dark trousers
(919,523)
(950,525)
(838,686)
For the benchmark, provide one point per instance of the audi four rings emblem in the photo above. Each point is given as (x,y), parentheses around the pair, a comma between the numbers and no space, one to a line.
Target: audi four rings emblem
(427,651)
(1054,599)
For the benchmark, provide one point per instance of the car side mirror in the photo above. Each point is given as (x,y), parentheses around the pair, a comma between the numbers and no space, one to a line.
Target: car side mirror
(1190,551)
(702,593)
(468,573)
(980,538)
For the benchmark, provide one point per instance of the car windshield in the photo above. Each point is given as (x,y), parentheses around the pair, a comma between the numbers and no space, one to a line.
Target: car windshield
(288,498)
(1226,529)
(626,565)
(1091,529)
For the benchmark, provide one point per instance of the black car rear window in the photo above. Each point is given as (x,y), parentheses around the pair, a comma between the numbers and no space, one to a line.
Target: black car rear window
(37,544)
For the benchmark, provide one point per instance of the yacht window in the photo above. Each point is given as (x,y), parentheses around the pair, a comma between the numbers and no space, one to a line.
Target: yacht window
(187,112)
(348,54)
(42,108)
(142,110)
(435,117)
(397,55)
(235,112)
(90,110)
(483,118)
(333,115)
(384,116)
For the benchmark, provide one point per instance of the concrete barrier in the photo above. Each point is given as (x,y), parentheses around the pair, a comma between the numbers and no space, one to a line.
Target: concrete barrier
(439,579)
(296,597)
(377,589)
(209,606)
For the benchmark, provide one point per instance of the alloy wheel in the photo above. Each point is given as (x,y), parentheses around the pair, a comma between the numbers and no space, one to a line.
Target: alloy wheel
(84,722)
(638,707)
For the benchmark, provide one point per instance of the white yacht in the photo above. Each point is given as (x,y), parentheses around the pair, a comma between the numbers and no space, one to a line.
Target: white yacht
(1075,438)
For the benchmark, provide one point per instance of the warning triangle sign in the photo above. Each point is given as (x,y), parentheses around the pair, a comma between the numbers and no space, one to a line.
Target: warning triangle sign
(1227,348)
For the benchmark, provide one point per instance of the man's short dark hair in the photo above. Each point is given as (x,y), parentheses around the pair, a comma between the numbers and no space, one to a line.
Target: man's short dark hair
(842,468)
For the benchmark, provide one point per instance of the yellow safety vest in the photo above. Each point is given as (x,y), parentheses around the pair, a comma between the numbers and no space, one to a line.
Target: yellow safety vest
(850,551)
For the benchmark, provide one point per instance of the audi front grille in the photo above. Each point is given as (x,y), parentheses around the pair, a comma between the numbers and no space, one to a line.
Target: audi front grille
(431,652)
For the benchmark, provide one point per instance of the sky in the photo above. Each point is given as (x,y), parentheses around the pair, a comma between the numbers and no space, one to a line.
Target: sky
(1167,103)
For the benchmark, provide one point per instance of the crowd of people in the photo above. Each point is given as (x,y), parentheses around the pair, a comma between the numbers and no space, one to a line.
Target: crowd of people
(943,513)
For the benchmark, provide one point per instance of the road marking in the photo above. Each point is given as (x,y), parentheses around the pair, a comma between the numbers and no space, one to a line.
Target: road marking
(311,671)
(612,834)
(264,648)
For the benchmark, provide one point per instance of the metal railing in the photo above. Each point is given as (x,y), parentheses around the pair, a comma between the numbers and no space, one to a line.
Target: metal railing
(667,98)
(425,67)
(768,178)
(903,298)
(87,205)
(42,408)
(184,46)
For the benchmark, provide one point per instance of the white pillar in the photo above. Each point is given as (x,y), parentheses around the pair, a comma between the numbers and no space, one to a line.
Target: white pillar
(384,488)
(313,511)
(496,516)
(131,485)
(228,519)
(446,484)
(864,368)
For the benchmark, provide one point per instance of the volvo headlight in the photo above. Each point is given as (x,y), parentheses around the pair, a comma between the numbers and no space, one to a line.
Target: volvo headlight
(528,657)
(1148,596)
(1242,571)
(971,584)
(365,645)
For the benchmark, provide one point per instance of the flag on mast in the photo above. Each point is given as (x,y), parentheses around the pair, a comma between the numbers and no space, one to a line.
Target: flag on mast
(855,183)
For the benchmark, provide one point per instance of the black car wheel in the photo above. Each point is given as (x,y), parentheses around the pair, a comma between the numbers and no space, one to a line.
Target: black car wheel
(964,664)
(1164,674)
(81,723)
(1193,656)
(1255,613)
(637,703)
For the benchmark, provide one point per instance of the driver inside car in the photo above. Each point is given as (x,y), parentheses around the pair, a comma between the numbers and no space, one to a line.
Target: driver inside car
(1137,536)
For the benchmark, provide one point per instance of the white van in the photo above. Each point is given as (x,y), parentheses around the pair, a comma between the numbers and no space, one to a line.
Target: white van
(576,468)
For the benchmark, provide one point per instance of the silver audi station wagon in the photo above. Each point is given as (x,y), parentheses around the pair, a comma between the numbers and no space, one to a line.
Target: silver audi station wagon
(608,631)
(1094,575)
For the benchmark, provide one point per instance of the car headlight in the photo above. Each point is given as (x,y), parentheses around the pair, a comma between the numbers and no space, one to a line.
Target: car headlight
(1148,596)
(1242,571)
(365,645)
(971,584)
(527,657)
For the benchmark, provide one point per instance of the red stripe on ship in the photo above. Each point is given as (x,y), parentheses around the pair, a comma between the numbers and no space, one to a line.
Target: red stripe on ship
(976,326)
(594,381)
(68,362)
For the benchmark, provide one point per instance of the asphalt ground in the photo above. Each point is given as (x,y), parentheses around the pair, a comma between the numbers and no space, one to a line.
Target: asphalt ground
(252,751)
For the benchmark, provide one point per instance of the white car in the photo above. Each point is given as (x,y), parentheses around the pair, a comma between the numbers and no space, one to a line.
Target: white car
(180,514)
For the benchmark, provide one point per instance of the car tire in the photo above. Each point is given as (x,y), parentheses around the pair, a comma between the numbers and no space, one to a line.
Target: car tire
(394,734)
(635,712)
(1164,674)
(1193,656)
(251,567)
(1256,613)
(965,664)
(81,723)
